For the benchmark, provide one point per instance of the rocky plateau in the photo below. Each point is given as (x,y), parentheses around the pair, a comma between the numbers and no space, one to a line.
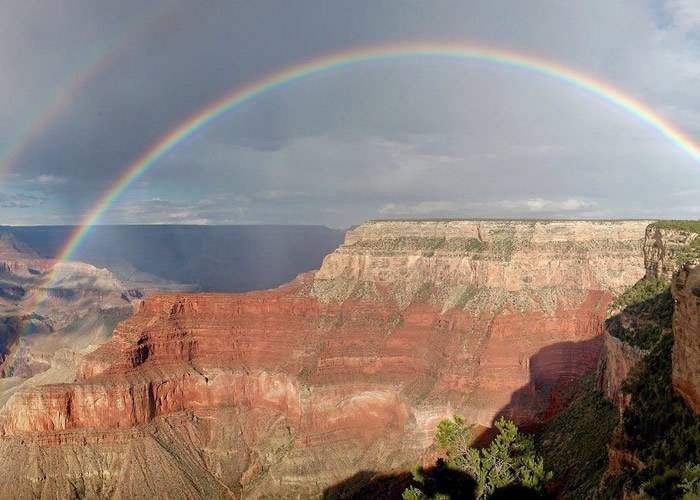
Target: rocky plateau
(286,392)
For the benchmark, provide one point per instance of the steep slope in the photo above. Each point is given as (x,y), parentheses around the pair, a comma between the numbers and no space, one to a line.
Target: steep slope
(642,313)
(287,391)
(686,333)
(41,327)
(81,308)
(650,361)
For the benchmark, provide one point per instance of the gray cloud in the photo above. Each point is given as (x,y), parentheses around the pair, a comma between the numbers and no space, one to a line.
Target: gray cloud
(419,137)
(20,200)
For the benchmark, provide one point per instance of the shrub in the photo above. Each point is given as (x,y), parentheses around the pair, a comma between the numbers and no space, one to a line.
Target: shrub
(574,443)
(692,252)
(641,291)
(659,428)
(510,460)
(647,313)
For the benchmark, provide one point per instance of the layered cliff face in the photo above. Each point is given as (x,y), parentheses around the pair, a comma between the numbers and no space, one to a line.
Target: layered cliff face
(643,312)
(482,265)
(686,334)
(78,310)
(616,363)
(651,356)
(662,247)
(290,390)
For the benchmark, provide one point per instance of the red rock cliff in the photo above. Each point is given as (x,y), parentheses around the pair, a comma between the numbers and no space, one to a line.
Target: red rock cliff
(350,368)
(686,335)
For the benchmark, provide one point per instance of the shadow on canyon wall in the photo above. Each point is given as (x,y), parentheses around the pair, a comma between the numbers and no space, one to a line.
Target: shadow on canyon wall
(375,485)
(439,480)
(554,373)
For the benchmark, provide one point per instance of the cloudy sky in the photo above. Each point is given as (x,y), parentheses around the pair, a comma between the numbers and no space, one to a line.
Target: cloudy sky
(87,86)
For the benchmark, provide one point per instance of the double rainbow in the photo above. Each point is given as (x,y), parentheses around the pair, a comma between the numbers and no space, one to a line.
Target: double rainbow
(356,56)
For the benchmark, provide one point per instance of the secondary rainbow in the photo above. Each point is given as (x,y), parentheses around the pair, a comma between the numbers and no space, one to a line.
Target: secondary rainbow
(355,56)
(69,89)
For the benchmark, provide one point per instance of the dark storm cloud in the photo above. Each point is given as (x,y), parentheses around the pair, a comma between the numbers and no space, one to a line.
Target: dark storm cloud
(421,137)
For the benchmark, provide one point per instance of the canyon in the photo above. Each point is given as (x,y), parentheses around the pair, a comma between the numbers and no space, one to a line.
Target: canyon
(285,392)
(220,258)
(79,307)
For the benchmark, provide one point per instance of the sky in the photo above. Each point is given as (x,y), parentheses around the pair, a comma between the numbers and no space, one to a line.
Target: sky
(87,86)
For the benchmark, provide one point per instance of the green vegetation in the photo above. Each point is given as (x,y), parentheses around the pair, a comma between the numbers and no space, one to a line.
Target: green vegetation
(509,461)
(305,375)
(692,226)
(428,245)
(464,245)
(402,243)
(574,443)
(660,430)
(692,252)
(690,483)
(467,295)
(647,311)
(641,291)
(424,292)
(504,247)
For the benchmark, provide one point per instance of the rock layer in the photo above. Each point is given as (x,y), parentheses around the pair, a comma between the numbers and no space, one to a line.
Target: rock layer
(289,390)
(686,335)
(616,363)
(77,307)
(661,247)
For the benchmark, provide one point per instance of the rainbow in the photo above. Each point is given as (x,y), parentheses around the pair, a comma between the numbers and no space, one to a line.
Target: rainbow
(69,89)
(352,57)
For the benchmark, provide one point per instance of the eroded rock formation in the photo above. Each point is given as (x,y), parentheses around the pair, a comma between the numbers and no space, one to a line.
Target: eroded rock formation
(686,335)
(661,247)
(286,391)
(616,363)
(42,318)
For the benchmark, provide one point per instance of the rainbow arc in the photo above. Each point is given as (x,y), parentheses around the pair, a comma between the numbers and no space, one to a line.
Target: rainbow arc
(352,57)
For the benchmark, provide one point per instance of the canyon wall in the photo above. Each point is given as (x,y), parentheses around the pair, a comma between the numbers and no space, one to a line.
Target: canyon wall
(617,361)
(686,333)
(652,356)
(78,306)
(661,248)
(286,391)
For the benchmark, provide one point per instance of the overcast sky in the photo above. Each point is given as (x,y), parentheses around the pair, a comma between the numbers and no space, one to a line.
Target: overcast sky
(411,138)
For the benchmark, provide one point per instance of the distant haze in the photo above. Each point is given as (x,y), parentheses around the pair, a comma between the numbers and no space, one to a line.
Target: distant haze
(214,258)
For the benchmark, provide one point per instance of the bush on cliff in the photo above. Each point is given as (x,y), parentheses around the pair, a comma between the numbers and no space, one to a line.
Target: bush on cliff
(692,251)
(509,462)
(574,443)
(659,430)
(640,292)
(644,313)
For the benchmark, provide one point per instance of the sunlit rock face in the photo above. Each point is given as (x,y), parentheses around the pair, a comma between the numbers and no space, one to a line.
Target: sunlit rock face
(618,359)
(291,390)
(686,335)
(47,305)
(661,247)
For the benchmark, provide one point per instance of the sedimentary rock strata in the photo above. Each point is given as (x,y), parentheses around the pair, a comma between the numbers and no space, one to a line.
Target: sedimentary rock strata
(77,307)
(290,390)
(686,335)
